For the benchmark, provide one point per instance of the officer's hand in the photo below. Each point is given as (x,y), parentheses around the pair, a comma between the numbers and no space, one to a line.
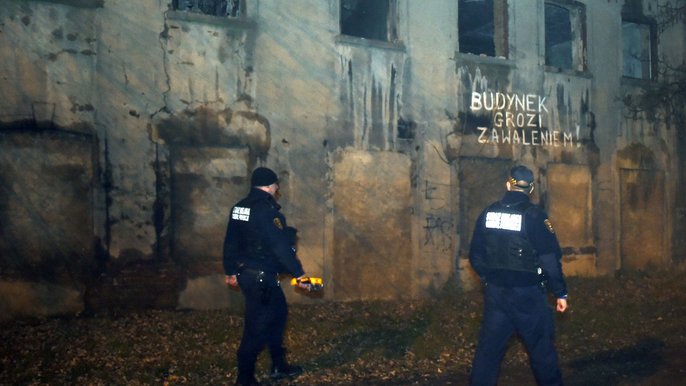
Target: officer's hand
(231,280)
(561,305)
(305,285)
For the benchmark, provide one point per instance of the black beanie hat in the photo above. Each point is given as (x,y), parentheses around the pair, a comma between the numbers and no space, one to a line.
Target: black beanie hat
(263,177)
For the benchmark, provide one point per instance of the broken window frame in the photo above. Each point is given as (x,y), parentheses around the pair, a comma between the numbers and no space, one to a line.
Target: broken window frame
(577,36)
(499,35)
(233,9)
(648,68)
(390,32)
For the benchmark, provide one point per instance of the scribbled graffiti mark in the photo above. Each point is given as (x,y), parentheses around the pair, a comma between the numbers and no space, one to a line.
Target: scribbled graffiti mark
(438,231)
(429,190)
(436,194)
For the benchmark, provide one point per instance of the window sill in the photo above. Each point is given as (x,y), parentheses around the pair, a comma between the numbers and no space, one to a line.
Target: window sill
(357,41)
(562,71)
(76,3)
(235,23)
(637,82)
(484,59)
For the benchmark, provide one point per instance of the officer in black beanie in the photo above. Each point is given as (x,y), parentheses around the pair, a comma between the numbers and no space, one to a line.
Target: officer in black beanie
(258,246)
(514,250)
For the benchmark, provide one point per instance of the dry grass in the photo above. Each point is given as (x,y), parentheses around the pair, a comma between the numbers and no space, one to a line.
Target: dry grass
(628,330)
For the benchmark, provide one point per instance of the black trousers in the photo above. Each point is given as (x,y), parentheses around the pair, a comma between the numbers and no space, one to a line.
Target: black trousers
(264,321)
(521,310)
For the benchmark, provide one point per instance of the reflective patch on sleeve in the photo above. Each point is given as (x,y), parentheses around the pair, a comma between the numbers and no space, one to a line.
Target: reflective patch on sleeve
(507,221)
(277,222)
(240,213)
(549,225)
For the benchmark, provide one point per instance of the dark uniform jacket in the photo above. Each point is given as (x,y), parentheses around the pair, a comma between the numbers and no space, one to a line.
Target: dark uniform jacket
(257,237)
(515,245)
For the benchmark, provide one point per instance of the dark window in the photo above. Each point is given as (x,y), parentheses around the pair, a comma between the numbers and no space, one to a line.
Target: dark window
(638,50)
(230,8)
(482,26)
(564,36)
(369,19)
(558,37)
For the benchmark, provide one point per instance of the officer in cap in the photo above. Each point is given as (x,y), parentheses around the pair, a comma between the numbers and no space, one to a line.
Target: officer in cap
(515,252)
(258,246)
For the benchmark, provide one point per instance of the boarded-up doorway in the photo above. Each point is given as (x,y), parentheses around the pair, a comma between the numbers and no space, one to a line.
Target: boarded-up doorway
(206,183)
(371,225)
(46,204)
(569,203)
(642,215)
(482,181)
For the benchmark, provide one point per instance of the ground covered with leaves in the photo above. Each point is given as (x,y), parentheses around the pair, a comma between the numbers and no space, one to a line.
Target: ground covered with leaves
(625,330)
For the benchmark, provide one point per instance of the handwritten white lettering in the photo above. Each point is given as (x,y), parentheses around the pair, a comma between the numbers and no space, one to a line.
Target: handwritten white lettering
(518,120)
(553,138)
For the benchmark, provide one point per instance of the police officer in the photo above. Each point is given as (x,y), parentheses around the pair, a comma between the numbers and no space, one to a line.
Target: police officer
(258,246)
(515,251)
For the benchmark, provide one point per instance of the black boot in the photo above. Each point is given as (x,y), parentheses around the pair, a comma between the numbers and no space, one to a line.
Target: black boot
(284,370)
(246,381)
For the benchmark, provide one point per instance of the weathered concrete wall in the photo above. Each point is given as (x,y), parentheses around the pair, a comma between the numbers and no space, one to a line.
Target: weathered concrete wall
(146,122)
(49,55)
(427,110)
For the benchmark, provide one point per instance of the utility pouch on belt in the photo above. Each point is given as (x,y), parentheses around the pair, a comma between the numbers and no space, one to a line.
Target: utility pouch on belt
(264,287)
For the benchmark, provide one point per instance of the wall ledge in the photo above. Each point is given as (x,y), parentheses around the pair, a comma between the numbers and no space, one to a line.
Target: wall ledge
(75,3)
(357,41)
(235,23)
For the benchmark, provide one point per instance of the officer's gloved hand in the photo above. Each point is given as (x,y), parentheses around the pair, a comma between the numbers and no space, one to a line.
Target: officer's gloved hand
(311,284)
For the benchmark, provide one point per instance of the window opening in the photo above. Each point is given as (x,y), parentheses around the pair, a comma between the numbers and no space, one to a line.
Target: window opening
(482,26)
(224,8)
(564,37)
(369,19)
(637,50)
(558,37)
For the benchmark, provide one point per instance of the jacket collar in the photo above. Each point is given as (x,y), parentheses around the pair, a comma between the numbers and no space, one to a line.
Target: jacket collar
(512,198)
(261,194)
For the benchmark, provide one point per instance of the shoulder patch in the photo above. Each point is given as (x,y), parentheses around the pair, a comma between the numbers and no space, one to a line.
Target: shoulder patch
(240,213)
(549,225)
(277,223)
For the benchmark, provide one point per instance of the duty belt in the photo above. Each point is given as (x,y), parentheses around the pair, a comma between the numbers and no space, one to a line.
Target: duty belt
(260,275)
